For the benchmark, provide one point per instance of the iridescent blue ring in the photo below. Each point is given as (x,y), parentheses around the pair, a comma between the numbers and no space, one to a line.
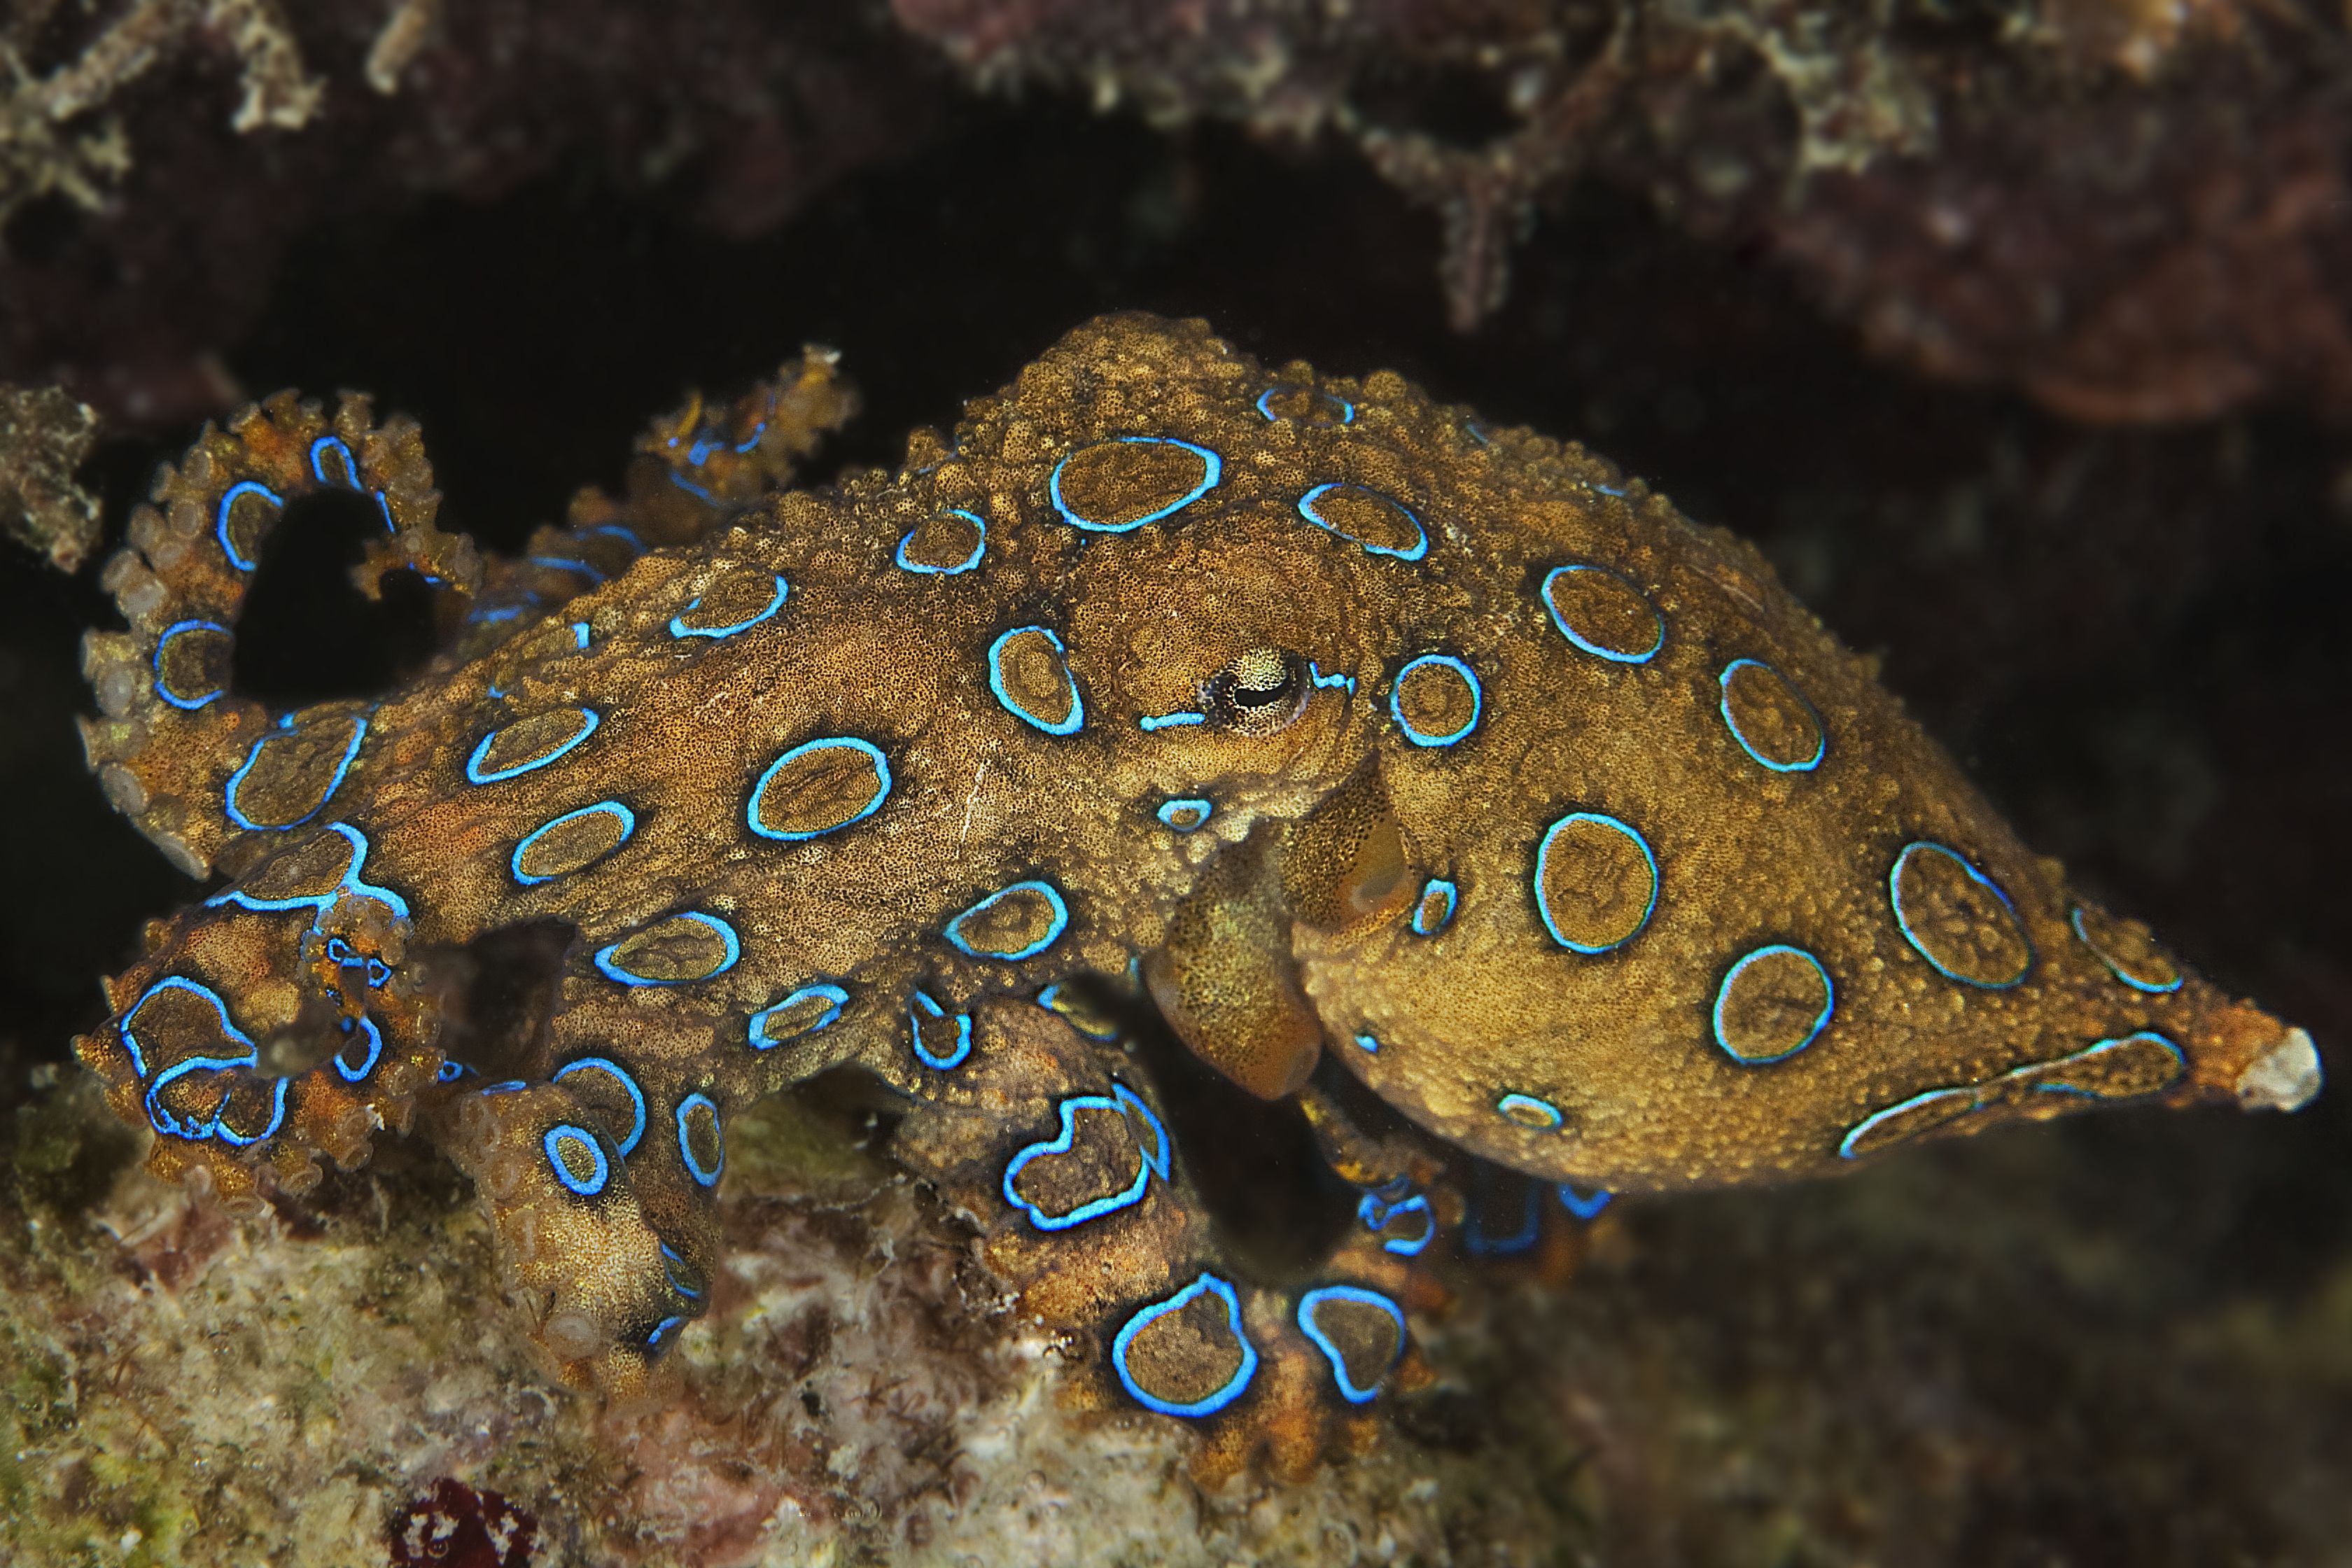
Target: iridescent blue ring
(1543,850)
(1903,918)
(1446,661)
(1820,1020)
(1821,731)
(1208,1403)
(628,820)
(237,780)
(679,628)
(966,565)
(702,1177)
(1077,717)
(733,944)
(1349,1389)
(881,791)
(220,511)
(834,997)
(613,1070)
(1414,552)
(1054,930)
(1594,648)
(176,629)
(1212,467)
(475,774)
(564,1134)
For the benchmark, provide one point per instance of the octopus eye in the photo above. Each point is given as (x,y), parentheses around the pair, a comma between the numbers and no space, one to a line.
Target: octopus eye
(1261,693)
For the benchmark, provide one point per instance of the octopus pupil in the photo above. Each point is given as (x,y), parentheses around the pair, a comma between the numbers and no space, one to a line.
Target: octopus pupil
(1262,697)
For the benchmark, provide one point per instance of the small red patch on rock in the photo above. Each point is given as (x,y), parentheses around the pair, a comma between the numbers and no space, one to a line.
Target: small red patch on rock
(454,1526)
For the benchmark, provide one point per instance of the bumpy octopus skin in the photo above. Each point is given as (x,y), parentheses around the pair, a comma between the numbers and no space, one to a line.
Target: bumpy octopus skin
(1385,750)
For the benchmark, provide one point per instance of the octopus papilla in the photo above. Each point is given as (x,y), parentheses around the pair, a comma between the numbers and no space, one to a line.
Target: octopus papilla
(1439,777)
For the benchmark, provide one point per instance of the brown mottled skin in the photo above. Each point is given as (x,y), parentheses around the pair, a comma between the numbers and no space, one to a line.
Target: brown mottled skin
(1272,936)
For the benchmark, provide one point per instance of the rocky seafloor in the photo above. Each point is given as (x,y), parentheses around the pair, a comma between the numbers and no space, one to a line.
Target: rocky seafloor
(2119,1340)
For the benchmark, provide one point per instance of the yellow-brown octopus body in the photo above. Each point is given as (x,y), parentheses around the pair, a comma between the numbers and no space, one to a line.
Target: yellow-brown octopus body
(1366,731)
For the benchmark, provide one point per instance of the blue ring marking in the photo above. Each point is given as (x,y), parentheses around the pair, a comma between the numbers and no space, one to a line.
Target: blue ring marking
(1639,843)
(1583,1206)
(384,505)
(450,1071)
(505,1086)
(1344,682)
(497,613)
(350,480)
(580,635)
(474,773)
(1396,706)
(563,1134)
(613,971)
(1543,1111)
(1151,1159)
(695,490)
(966,565)
(1192,804)
(1171,721)
(629,827)
(881,770)
(237,780)
(1902,921)
(1481,1245)
(177,982)
(220,511)
(1313,1299)
(1821,1022)
(1069,726)
(613,1070)
(1594,648)
(231,1136)
(620,531)
(685,1107)
(671,1264)
(1821,731)
(1378,1207)
(1368,1044)
(1347,409)
(1856,1134)
(1060,923)
(679,628)
(954,1058)
(752,439)
(836,999)
(704,445)
(349,883)
(1446,890)
(664,1331)
(165,1122)
(1208,1404)
(175,629)
(2076,920)
(375,1037)
(596,577)
(1418,550)
(1214,465)
(2097,1049)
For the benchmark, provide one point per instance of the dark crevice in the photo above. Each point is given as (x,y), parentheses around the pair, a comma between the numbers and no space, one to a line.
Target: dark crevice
(307,635)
